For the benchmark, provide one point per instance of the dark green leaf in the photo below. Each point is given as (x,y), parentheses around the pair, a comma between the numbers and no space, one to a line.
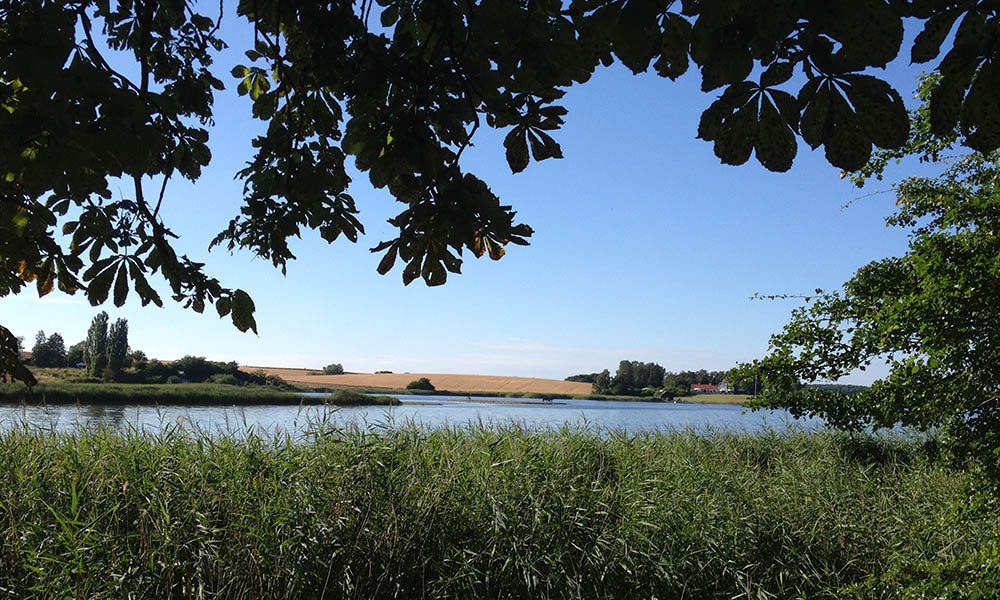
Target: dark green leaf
(242,311)
(121,285)
(223,306)
(412,271)
(433,272)
(927,44)
(516,144)
(736,141)
(99,286)
(846,146)
(880,109)
(776,145)
(776,74)
(385,265)
(946,100)
(814,118)
(981,109)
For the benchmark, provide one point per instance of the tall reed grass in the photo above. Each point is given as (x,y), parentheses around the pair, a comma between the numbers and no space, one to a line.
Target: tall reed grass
(479,513)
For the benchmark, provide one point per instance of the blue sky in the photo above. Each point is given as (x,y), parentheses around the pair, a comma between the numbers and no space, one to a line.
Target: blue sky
(645,248)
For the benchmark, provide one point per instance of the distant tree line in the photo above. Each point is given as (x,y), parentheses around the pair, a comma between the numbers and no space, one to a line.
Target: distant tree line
(633,377)
(106,356)
(680,382)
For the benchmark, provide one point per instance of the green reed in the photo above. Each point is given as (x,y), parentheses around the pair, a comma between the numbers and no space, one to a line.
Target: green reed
(476,513)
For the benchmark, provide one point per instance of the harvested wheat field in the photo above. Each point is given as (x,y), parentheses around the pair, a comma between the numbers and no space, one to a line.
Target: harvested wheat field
(442,382)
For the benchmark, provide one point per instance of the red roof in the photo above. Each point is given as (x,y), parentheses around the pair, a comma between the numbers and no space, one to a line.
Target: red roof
(704,386)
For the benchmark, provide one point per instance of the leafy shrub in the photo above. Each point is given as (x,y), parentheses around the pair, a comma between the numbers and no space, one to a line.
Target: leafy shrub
(333,369)
(173,379)
(974,576)
(198,368)
(259,377)
(223,378)
(421,384)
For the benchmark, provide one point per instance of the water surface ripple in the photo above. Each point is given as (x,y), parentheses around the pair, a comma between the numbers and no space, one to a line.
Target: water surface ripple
(424,411)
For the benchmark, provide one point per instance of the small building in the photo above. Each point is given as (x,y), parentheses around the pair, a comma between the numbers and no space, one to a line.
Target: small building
(704,388)
(725,388)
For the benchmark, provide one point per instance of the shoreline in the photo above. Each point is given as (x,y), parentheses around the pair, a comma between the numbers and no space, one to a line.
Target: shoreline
(195,394)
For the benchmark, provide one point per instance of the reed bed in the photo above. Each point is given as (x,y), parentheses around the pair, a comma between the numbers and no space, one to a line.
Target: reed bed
(483,513)
(180,393)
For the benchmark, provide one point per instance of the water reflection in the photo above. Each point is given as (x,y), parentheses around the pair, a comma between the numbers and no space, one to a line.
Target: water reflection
(424,411)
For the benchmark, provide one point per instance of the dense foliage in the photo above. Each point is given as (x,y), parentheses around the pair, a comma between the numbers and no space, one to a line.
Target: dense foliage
(48,351)
(74,355)
(487,514)
(95,349)
(681,381)
(423,384)
(333,369)
(631,377)
(118,349)
(932,315)
(403,88)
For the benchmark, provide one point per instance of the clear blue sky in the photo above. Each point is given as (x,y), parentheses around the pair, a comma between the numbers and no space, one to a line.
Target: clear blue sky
(645,248)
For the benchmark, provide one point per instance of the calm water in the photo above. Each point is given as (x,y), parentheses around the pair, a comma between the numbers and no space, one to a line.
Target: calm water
(433,411)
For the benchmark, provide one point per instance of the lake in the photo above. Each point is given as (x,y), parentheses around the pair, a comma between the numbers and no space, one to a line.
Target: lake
(424,411)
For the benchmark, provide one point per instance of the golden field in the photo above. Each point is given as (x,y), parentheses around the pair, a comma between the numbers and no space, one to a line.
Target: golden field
(443,382)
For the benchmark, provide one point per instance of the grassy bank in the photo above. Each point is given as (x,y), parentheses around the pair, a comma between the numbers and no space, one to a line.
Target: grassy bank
(180,393)
(484,514)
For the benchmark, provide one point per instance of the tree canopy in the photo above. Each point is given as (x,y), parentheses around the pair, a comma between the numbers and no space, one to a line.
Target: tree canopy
(48,351)
(402,87)
(932,314)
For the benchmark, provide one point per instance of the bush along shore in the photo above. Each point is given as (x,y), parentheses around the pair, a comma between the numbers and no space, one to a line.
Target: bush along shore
(481,513)
(180,393)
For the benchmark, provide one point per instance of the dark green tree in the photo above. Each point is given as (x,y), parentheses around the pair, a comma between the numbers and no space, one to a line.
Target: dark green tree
(602,383)
(421,384)
(117,347)
(198,368)
(74,355)
(403,88)
(333,369)
(39,347)
(632,376)
(49,351)
(95,352)
(932,315)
